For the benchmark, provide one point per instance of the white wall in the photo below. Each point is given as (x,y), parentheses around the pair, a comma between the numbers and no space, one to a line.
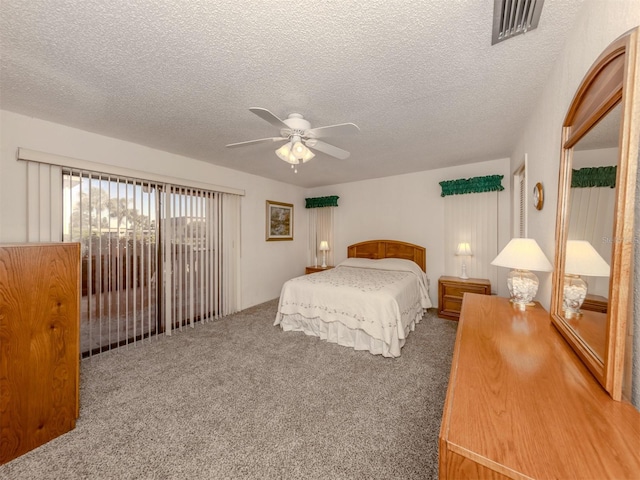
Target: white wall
(409,208)
(265,266)
(598,24)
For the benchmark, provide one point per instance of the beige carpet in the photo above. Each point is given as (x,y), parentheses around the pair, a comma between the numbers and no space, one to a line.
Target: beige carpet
(240,398)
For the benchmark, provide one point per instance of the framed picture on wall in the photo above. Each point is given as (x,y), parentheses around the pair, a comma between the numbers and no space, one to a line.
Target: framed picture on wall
(279,221)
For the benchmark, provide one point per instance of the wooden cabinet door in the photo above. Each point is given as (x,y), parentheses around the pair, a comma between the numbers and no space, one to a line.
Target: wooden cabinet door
(39,344)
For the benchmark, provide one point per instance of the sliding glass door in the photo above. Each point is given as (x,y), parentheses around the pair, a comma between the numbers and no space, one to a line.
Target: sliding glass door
(148,257)
(188,232)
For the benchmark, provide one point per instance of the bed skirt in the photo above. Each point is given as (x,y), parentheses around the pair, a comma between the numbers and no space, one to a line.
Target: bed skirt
(336,332)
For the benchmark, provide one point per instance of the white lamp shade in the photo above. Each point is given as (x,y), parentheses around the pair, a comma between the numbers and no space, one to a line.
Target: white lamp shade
(464,249)
(301,152)
(583,259)
(284,153)
(523,254)
(324,246)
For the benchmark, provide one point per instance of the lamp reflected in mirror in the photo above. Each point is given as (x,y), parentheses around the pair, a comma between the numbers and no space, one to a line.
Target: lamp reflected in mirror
(581,260)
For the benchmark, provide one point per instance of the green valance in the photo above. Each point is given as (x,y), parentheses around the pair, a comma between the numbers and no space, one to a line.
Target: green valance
(594,177)
(320,202)
(489,183)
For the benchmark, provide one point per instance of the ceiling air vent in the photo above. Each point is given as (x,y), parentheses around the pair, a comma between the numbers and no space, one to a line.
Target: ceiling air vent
(513,17)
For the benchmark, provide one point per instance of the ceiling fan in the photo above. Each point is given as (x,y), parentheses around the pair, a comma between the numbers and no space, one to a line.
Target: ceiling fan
(299,135)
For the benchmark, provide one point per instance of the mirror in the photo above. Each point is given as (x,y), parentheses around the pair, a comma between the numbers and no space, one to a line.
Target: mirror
(594,225)
(591,208)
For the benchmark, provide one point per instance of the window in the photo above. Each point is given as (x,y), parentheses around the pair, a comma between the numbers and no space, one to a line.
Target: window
(320,229)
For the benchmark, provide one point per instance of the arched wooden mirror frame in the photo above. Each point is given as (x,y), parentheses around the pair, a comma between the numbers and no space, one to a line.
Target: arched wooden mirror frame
(612,80)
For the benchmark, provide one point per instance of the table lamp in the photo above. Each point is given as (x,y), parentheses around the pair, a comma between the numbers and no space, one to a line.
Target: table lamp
(581,259)
(523,255)
(324,246)
(464,250)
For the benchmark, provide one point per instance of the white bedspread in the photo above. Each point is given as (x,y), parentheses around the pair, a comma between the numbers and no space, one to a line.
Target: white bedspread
(383,298)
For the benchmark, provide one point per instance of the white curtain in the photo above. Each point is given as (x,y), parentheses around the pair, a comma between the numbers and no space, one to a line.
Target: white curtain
(321,229)
(472,218)
(591,219)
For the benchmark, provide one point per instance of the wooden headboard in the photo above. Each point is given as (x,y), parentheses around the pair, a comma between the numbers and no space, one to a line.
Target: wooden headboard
(377,249)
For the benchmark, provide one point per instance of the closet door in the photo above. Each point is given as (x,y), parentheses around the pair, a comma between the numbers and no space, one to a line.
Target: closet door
(39,344)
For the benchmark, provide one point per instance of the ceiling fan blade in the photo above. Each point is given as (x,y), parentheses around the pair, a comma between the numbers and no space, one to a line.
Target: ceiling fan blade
(328,149)
(333,130)
(259,140)
(265,114)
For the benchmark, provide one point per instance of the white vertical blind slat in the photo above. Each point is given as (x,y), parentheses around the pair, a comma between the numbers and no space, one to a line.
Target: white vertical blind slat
(44,194)
(167,247)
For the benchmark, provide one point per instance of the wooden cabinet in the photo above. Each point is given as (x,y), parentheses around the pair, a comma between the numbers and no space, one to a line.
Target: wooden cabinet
(39,344)
(520,403)
(595,303)
(313,269)
(451,291)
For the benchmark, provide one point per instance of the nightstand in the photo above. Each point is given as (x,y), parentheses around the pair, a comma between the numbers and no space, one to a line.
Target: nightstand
(595,303)
(451,290)
(313,269)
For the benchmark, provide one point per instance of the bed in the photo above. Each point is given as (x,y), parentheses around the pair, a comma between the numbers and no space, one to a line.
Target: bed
(371,301)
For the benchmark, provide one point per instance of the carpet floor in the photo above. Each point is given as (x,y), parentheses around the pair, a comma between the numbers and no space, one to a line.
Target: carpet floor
(239,398)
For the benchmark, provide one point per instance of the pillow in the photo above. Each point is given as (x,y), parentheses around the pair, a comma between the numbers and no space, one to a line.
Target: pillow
(397,264)
(358,262)
(400,264)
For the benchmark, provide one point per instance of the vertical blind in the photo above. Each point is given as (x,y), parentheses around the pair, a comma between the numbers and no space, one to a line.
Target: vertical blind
(522,206)
(155,257)
(520,201)
(115,221)
(591,218)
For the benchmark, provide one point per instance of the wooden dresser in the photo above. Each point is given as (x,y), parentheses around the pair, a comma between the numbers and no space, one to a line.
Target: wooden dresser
(39,344)
(520,404)
(451,290)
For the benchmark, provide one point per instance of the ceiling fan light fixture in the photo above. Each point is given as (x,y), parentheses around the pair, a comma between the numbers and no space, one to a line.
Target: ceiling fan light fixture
(294,152)
(301,137)
(299,148)
(284,153)
(301,152)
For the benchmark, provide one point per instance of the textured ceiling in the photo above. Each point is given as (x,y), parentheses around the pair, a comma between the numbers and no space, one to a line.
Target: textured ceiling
(420,78)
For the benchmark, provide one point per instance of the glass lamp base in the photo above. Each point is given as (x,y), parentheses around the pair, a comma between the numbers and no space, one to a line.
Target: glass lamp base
(523,286)
(463,273)
(574,293)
